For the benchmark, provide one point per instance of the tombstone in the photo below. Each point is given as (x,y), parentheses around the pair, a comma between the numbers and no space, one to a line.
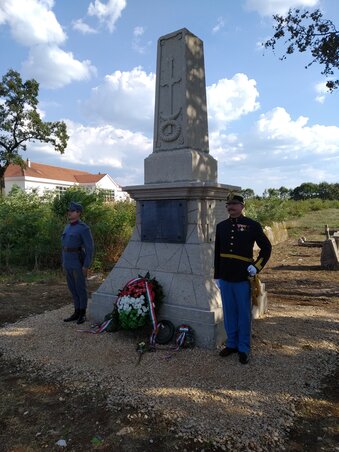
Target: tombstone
(180,202)
(329,258)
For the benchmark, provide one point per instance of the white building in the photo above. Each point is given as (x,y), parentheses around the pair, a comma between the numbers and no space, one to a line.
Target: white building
(47,178)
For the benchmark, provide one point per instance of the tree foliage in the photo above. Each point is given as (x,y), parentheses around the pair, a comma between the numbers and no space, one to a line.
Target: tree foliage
(307,190)
(304,30)
(31,228)
(20,122)
(248,193)
(281,193)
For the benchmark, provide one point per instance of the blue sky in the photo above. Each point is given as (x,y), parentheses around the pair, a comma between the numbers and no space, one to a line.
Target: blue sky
(271,122)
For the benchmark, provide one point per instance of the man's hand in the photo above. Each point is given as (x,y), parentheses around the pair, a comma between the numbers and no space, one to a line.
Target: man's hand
(85,271)
(252,270)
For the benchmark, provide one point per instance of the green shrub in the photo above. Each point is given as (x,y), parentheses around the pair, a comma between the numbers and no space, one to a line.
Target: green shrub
(31,228)
(269,210)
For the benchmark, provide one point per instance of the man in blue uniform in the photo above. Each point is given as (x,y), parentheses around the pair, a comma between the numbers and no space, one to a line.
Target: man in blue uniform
(233,264)
(77,253)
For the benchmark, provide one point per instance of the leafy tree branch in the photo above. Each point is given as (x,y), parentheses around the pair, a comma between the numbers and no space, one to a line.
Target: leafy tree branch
(303,31)
(20,122)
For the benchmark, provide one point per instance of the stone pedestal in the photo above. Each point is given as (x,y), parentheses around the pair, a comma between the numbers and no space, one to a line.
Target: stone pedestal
(180,165)
(185,270)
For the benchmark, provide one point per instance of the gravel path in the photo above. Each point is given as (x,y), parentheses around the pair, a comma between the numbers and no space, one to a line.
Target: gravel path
(207,398)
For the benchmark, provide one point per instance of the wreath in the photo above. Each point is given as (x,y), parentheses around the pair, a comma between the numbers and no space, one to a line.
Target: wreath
(138,302)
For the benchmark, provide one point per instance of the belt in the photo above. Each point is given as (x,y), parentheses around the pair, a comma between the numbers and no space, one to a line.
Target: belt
(236,256)
(71,250)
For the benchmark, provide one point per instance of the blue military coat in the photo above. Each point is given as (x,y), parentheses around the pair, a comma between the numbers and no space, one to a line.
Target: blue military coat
(77,245)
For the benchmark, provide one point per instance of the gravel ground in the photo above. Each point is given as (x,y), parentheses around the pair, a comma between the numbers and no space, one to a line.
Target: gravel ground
(213,400)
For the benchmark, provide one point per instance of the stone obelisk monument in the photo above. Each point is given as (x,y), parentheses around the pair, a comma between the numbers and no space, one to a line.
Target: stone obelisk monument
(180,202)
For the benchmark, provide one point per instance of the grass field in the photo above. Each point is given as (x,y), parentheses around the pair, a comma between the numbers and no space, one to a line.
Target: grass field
(312,224)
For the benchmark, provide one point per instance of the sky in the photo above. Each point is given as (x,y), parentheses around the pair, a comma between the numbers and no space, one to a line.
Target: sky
(271,122)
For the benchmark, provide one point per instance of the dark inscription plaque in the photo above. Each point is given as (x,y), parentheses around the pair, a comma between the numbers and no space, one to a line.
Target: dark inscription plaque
(164,221)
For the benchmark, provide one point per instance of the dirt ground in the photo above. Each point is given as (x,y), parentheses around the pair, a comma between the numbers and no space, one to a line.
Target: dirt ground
(35,414)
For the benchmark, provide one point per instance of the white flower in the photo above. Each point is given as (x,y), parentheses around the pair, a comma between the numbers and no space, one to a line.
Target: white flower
(127,303)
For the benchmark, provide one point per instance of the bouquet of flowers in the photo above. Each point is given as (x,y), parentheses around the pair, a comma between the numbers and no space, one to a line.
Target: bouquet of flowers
(138,301)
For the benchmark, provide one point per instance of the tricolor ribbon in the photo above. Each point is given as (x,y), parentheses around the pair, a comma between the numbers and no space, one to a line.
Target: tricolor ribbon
(98,328)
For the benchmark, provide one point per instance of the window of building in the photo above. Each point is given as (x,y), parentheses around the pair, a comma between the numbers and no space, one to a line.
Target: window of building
(59,190)
(109,195)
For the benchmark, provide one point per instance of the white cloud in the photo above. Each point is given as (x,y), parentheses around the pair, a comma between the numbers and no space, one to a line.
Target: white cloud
(34,25)
(293,139)
(270,7)
(81,26)
(322,91)
(54,68)
(226,147)
(229,99)
(220,24)
(136,43)
(32,22)
(125,99)
(107,13)
(117,150)
(278,151)
(105,147)
(138,31)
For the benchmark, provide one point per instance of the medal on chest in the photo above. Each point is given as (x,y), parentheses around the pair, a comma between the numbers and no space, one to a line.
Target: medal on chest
(242,227)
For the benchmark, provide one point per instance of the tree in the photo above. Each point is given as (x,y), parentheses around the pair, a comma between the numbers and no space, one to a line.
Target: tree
(248,193)
(271,193)
(284,193)
(306,190)
(20,122)
(303,31)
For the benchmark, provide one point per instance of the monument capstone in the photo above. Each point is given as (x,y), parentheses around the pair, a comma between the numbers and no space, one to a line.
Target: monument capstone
(180,203)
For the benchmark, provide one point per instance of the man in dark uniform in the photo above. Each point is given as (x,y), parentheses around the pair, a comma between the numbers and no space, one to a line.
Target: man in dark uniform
(77,253)
(233,264)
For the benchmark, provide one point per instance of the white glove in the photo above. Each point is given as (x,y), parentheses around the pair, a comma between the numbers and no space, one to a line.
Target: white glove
(252,270)
(217,283)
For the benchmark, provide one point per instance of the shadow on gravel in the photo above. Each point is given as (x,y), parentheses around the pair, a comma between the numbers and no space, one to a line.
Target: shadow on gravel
(307,268)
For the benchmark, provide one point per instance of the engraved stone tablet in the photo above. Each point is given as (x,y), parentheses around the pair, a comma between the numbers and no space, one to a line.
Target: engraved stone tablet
(164,221)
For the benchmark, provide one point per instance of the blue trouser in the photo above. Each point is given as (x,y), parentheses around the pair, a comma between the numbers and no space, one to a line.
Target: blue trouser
(77,285)
(236,303)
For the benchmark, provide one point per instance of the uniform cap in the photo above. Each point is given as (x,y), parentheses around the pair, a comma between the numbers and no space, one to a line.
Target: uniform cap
(75,206)
(232,197)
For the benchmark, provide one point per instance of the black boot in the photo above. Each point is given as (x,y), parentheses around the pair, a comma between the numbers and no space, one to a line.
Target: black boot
(74,316)
(82,316)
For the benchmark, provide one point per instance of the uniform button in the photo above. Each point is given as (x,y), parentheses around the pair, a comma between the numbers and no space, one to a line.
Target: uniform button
(231,243)
(232,237)
(231,251)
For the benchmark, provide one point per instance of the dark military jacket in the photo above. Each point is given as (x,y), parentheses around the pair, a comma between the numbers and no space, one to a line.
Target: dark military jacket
(77,245)
(234,242)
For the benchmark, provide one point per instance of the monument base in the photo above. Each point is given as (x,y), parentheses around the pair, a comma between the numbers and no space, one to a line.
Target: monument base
(207,324)
(180,165)
(184,270)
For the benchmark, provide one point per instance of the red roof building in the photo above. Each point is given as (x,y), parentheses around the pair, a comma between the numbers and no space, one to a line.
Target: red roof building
(47,178)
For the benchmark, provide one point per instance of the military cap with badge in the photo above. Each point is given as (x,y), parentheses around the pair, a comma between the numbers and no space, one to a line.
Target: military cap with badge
(235,198)
(75,207)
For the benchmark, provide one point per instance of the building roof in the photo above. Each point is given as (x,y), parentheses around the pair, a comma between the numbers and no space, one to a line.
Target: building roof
(88,178)
(41,171)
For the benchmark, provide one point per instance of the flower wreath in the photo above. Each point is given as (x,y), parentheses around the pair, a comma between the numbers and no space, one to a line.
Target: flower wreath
(138,302)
